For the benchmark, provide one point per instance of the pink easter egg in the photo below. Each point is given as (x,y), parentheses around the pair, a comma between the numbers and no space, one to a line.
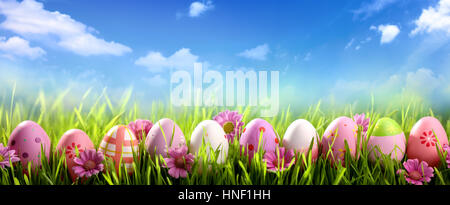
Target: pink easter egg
(158,141)
(387,138)
(27,139)
(70,142)
(118,143)
(250,138)
(422,141)
(340,130)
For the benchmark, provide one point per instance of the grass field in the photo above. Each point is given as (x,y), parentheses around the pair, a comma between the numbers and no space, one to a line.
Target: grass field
(97,118)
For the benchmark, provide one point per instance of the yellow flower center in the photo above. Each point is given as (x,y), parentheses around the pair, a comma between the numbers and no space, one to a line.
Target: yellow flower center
(2,158)
(228,127)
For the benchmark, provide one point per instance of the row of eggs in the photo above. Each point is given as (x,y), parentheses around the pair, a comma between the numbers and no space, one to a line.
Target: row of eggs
(387,138)
(120,142)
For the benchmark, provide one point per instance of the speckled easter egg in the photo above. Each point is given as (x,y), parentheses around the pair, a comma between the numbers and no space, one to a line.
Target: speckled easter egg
(211,133)
(251,134)
(120,142)
(70,142)
(422,141)
(27,139)
(388,136)
(340,130)
(299,136)
(158,141)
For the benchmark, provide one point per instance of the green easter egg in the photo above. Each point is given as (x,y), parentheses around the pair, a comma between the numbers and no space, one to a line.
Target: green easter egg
(386,127)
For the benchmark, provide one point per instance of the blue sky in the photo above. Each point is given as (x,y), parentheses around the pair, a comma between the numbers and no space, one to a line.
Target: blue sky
(342,50)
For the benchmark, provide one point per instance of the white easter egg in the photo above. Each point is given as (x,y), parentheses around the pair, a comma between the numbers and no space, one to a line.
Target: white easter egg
(213,135)
(299,136)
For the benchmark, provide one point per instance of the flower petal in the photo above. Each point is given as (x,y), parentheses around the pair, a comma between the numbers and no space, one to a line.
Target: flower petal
(174,172)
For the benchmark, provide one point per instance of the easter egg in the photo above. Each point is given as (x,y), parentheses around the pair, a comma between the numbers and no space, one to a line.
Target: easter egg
(212,134)
(27,139)
(70,142)
(250,138)
(388,138)
(118,143)
(341,130)
(159,138)
(299,136)
(424,138)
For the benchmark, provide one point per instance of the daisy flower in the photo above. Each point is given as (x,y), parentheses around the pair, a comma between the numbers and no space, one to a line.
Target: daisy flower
(140,128)
(6,155)
(179,162)
(279,160)
(447,158)
(416,173)
(363,122)
(89,163)
(231,122)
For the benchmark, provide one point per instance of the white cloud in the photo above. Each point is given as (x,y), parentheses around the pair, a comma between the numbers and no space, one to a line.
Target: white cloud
(434,19)
(16,46)
(373,7)
(367,40)
(29,18)
(422,82)
(258,53)
(197,8)
(156,62)
(349,44)
(155,81)
(348,88)
(388,33)
(359,44)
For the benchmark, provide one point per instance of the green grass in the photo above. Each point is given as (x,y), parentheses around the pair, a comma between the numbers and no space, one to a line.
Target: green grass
(97,117)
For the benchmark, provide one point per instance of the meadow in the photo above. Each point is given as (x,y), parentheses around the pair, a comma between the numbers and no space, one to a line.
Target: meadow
(101,115)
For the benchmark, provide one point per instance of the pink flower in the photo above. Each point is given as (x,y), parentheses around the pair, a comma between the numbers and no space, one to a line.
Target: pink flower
(279,160)
(417,173)
(447,158)
(363,122)
(231,121)
(89,163)
(6,155)
(140,128)
(179,161)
